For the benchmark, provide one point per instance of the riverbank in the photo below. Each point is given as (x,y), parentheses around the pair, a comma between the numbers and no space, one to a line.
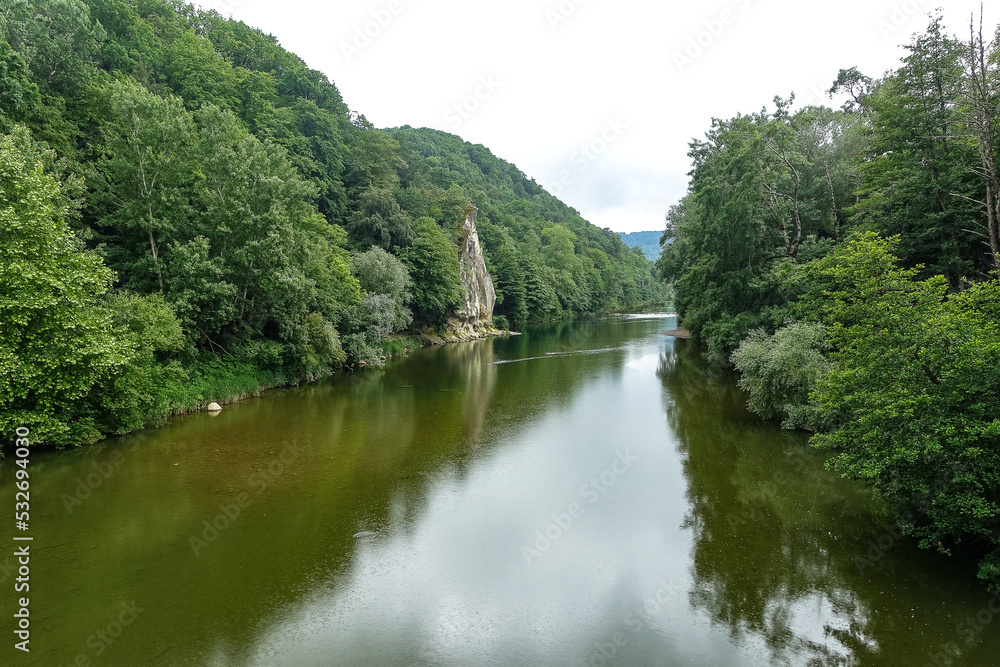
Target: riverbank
(227,380)
(244,382)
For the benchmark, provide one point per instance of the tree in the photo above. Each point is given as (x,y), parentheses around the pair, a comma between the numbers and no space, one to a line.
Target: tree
(141,187)
(382,311)
(779,371)
(374,161)
(197,74)
(57,38)
(56,343)
(913,180)
(251,205)
(379,221)
(19,96)
(911,397)
(432,260)
(141,391)
(980,89)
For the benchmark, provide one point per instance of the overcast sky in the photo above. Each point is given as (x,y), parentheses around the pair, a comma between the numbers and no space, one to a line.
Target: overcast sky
(594,99)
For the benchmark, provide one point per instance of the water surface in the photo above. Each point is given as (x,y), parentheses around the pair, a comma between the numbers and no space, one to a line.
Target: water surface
(589,493)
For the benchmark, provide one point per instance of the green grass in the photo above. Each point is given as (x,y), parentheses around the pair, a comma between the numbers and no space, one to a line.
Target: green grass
(397,346)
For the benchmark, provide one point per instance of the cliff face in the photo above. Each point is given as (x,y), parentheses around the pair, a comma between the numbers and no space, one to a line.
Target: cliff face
(474,318)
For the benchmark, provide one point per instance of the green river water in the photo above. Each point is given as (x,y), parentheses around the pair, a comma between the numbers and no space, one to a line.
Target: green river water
(589,493)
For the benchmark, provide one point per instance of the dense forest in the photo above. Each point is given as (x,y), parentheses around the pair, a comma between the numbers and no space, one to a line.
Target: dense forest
(846,262)
(190,213)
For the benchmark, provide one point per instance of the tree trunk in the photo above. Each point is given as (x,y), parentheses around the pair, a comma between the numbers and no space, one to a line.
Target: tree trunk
(982,118)
(833,202)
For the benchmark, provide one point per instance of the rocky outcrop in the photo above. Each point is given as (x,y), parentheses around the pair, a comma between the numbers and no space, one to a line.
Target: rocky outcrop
(474,318)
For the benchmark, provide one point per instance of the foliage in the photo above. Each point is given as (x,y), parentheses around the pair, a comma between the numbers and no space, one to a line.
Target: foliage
(912,393)
(138,393)
(781,370)
(873,229)
(914,175)
(386,283)
(57,38)
(56,343)
(432,260)
(763,190)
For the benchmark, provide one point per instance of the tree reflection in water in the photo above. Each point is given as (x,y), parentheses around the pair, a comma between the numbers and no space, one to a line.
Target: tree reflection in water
(770,561)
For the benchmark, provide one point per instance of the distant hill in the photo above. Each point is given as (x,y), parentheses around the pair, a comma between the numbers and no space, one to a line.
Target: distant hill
(648,242)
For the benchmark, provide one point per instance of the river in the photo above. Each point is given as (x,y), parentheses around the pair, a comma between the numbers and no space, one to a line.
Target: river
(589,493)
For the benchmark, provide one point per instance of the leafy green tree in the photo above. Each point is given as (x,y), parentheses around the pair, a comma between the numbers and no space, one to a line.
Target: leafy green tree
(321,348)
(200,294)
(147,386)
(378,272)
(19,97)
(541,299)
(379,221)
(508,276)
(57,38)
(913,178)
(251,202)
(432,261)
(55,342)
(374,161)
(382,311)
(763,193)
(198,75)
(912,394)
(980,89)
(142,181)
(322,254)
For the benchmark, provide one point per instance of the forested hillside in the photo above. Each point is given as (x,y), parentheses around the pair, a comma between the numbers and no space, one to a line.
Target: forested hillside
(847,263)
(648,242)
(190,212)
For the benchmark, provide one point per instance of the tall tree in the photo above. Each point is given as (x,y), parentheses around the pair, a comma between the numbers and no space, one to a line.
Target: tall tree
(980,93)
(913,179)
(58,39)
(433,263)
(142,182)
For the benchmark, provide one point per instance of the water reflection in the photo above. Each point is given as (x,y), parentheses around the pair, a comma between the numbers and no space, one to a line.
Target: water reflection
(722,541)
(779,539)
